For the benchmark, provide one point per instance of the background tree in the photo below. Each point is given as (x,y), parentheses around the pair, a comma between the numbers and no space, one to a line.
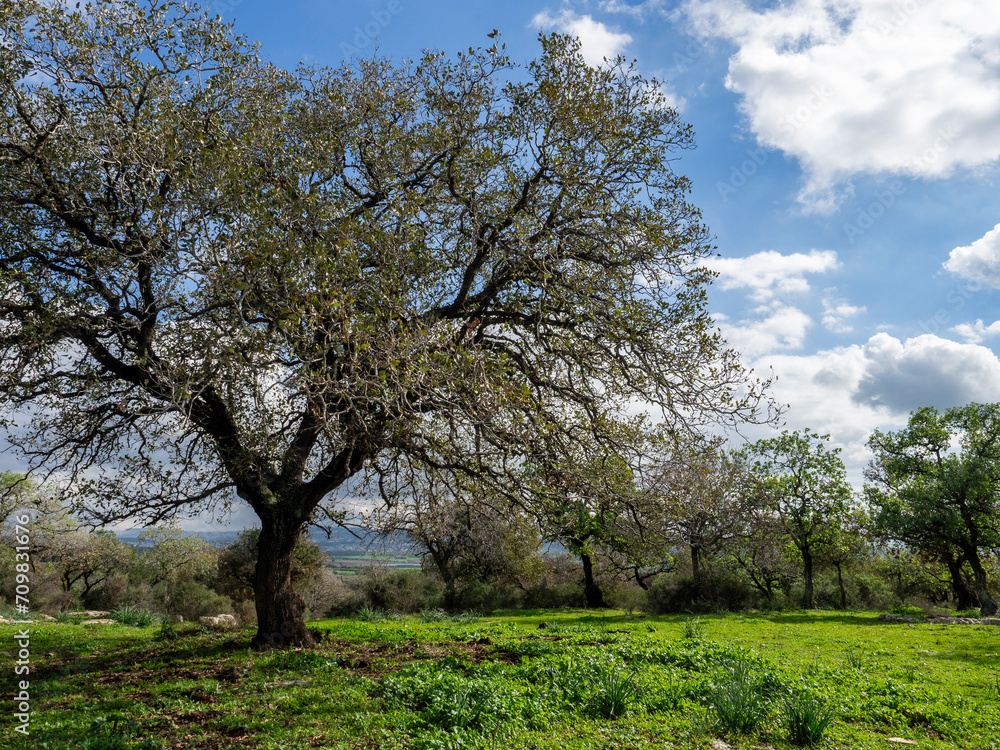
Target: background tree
(703,500)
(463,535)
(803,485)
(167,557)
(87,559)
(761,551)
(934,485)
(845,542)
(219,279)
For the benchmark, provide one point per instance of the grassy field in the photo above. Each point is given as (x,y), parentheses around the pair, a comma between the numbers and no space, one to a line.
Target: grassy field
(552,679)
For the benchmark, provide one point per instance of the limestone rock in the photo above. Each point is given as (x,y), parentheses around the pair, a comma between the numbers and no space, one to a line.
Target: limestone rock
(219,622)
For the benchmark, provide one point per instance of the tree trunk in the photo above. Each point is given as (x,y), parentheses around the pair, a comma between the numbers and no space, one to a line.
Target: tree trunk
(592,592)
(696,563)
(807,579)
(987,604)
(840,583)
(280,610)
(964,598)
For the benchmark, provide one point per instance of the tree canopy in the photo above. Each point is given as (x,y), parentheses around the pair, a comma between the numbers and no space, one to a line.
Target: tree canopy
(222,279)
(802,485)
(934,486)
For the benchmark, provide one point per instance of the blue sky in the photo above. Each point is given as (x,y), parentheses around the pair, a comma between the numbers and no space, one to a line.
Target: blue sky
(846,164)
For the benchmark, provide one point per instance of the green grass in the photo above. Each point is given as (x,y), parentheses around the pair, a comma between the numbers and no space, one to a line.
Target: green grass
(585,680)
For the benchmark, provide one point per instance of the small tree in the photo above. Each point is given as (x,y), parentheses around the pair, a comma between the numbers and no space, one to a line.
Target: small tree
(934,487)
(703,501)
(463,534)
(803,486)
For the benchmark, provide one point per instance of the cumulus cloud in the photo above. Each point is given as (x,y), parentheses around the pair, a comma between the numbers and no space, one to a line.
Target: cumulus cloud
(836,312)
(769,275)
(863,86)
(973,333)
(851,390)
(782,329)
(978,262)
(926,371)
(597,41)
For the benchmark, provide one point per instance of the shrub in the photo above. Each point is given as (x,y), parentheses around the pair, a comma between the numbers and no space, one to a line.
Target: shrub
(394,590)
(476,596)
(628,598)
(863,591)
(192,600)
(716,590)
(548,595)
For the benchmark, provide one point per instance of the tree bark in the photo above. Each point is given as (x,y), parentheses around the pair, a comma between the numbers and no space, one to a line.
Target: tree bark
(696,563)
(807,579)
(964,598)
(592,592)
(987,604)
(840,583)
(280,610)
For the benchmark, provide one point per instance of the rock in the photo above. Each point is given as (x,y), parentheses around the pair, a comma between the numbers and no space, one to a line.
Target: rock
(99,622)
(219,622)
(286,683)
(899,618)
(47,618)
(900,741)
(88,613)
(719,745)
(176,619)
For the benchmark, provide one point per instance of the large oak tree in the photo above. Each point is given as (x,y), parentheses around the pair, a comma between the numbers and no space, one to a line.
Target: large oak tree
(224,282)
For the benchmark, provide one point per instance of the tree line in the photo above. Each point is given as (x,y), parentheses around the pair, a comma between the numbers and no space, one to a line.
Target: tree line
(713,528)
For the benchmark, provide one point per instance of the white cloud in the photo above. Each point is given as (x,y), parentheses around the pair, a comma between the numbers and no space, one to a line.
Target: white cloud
(864,86)
(638,10)
(850,391)
(597,41)
(770,275)
(927,371)
(837,311)
(783,329)
(978,262)
(973,333)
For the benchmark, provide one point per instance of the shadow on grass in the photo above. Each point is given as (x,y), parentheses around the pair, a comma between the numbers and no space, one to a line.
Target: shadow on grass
(826,618)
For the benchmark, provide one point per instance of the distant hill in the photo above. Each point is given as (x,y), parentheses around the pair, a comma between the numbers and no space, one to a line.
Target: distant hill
(341,541)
